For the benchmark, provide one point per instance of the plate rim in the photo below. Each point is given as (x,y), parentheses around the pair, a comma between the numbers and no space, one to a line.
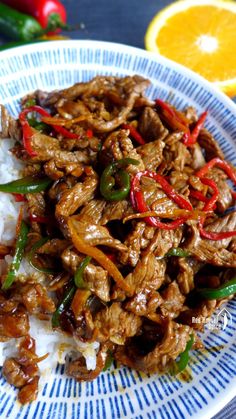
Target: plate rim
(117,46)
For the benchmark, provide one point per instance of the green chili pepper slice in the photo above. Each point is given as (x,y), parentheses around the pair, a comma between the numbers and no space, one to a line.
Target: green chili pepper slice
(19,251)
(223,291)
(177,251)
(78,278)
(32,262)
(64,303)
(30,102)
(113,174)
(183,360)
(109,360)
(28,184)
(39,125)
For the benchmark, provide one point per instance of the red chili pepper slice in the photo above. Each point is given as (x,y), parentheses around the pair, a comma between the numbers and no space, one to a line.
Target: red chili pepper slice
(139,203)
(57,128)
(192,138)
(209,205)
(141,206)
(173,118)
(134,133)
(39,219)
(28,132)
(210,235)
(198,195)
(224,165)
(233,195)
(19,197)
(89,133)
(111,256)
(167,188)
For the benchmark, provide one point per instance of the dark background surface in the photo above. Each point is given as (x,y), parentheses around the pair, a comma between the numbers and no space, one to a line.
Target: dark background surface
(122,21)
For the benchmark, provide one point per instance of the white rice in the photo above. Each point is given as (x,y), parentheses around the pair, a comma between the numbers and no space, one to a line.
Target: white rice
(58,345)
(10,169)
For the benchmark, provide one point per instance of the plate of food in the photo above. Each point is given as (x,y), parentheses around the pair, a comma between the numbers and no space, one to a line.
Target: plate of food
(117,235)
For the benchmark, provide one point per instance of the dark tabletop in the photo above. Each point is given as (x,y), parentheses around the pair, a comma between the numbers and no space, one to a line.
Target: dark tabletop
(123,21)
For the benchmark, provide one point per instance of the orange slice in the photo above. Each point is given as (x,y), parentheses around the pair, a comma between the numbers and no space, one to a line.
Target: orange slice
(200,34)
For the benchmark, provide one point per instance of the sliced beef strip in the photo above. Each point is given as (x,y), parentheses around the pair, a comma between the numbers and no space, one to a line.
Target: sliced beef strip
(116,324)
(10,127)
(96,278)
(225,223)
(73,198)
(163,240)
(55,169)
(119,146)
(198,159)
(205,250)
(148,275)
(210,145)
(150,125)
(7,305)
(174,341)
(173,300)
(36,205)
(34,297)
(93,210)
(144,303)
(176,154)
(95,235)
(152,154)
(146,278)
(14,325)
(53,247)
(224,200)
(124,93)
(22,371)
(185,278)
(133,243)
(193,316)
(44,146)
(99,211)
(119,87)
(115,211)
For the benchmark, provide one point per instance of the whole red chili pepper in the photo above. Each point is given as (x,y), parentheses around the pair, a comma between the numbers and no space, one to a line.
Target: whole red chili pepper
(51,14)
(134,133)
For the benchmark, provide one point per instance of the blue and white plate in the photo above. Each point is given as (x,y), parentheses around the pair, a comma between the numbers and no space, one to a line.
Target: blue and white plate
(211,378)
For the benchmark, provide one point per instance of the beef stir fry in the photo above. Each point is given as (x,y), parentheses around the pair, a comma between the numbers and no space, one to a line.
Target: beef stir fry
(126,222)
